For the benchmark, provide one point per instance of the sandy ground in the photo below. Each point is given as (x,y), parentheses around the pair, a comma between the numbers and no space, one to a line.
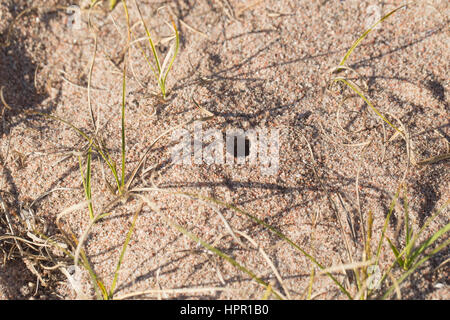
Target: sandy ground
(252,64)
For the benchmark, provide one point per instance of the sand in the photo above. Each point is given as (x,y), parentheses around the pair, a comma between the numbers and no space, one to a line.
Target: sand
(251,64)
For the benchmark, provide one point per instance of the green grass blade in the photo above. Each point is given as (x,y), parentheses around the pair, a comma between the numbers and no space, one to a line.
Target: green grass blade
(87,182)
(88,173)
(112,4)
(429,242)
(368,246)
(386,222)
(98,284)
(418,264)
(311,282)
(79,131)
(268,293)
(414,240)
(105,157)
(357,42)
(394,249)
(407,226)
(150,41)
(425,225)
(122,253)
(124,92)
(148,62)
(356,89)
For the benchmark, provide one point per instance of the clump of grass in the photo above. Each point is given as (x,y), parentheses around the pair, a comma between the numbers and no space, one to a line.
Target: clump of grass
(160,71)
(20,239)
(409,258)
(94,143)
(412,256)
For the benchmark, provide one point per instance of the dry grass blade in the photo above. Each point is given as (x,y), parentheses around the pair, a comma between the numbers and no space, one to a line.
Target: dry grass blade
(208,116)
(311,282)
(2,98)
(172,291)
(396,286)
(269,262)
(331,140)
(11,26)
(347,266)
(225,222)
(70,209)
(434,159)
(334,206)
(76,285)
